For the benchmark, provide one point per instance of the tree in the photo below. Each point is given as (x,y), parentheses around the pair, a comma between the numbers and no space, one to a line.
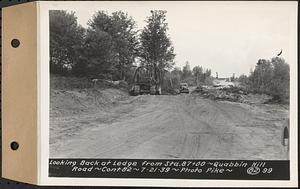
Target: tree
(121,28)
(98,54)
(233,78)
(66,38)
(156,46)
(176,72)
(280,83)
(207,73)
(271,77)
(197,72)
(186,70)
(261,76)
(243,79)
(176,75)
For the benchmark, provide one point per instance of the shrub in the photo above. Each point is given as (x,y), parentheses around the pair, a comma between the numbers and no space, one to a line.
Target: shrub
(271,77)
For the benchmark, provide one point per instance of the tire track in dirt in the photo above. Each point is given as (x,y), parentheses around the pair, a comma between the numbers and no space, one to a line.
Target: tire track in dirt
(195,143)
(130,135)
(181,126)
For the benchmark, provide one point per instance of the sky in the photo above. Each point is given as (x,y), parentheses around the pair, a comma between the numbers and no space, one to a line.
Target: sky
(226,37)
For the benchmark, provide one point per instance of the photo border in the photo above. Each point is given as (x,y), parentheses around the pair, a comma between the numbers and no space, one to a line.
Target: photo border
(43,114)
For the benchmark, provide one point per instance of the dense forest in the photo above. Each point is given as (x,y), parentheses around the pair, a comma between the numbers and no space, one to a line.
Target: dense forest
(111,45)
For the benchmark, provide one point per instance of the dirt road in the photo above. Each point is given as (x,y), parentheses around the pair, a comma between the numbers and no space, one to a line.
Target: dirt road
(181,126)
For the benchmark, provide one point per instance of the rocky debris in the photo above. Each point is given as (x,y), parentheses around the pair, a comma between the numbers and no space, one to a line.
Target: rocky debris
(233,94)
(235,89)
(171,91)
(102,83)
(228,93)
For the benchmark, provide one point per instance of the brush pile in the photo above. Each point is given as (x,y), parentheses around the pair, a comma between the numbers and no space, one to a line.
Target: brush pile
(228,93)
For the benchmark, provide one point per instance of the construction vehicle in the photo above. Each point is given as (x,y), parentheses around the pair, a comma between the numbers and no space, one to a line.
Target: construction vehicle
(184,88)
(146,80)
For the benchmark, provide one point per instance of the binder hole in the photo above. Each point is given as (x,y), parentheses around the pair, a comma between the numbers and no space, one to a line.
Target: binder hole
(15,43)
(14,145)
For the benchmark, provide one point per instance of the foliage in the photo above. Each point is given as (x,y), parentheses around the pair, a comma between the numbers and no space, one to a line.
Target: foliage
(202,76)
(280,83)
(186,71)
(66,38)
(261,76)
(243,78)
(175,77)
(270,77)
(124,40)
(198,73)
(233,78)
(198,76)
(98,53)
(108,48)
(156,46)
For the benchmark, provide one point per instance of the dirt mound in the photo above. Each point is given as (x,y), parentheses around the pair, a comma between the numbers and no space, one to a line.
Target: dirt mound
(65,83)
(69,96)
(66,102)
(70,83)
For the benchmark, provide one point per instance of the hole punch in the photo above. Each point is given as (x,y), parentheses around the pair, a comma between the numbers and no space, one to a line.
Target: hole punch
(14,145)
(15,43)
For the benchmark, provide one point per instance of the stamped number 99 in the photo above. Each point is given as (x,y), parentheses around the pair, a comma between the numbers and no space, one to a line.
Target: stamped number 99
(267,170)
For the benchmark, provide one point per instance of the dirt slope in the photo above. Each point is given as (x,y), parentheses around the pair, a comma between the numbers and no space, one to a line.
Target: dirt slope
(181,126)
